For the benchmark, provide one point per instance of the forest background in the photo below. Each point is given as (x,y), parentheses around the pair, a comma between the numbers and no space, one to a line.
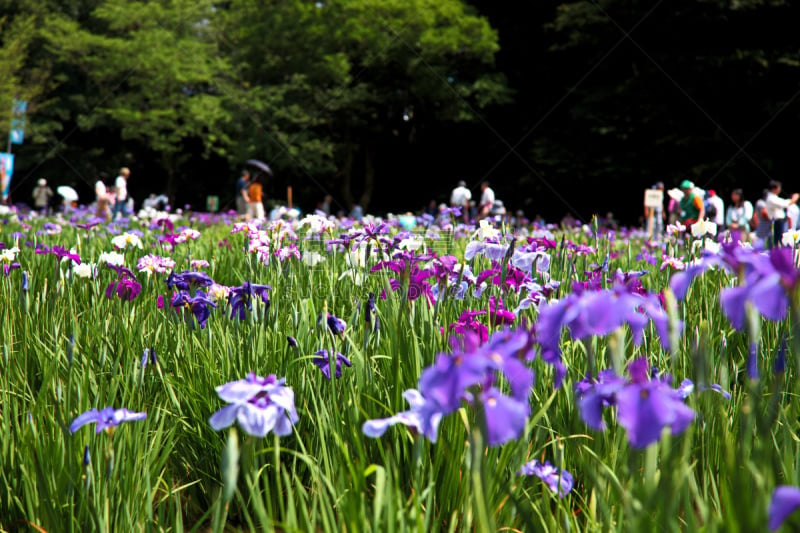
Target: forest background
(564,106)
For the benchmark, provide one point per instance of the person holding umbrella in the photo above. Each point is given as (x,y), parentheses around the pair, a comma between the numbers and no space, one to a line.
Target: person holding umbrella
(255,193)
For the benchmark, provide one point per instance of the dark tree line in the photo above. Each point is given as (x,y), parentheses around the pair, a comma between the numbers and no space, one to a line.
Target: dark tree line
(563,106)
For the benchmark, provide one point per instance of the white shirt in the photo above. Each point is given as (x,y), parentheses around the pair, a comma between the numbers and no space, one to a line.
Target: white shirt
(487,198)
(717,202)
(460,196)
(776,206)
(99,189)
(122,188)
(793,212)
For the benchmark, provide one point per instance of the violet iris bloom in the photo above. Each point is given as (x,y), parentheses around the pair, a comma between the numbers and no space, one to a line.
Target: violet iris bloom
(323,362)
(468,322)
(498,314)
(423,417)
(768,281)
(599,313)
(240,298)
(559,481)
(645,405)
(785,500)
(60,252)
(199,305)
(369,309)
(514,277)
(187,280)
(105,419)
(336,324)
(504,415)
(7,268)
(260,405)
(768,286)
(125,289)
(469,376)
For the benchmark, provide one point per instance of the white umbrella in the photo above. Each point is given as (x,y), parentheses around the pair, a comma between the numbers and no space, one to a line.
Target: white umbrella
(675,194)
(68,193)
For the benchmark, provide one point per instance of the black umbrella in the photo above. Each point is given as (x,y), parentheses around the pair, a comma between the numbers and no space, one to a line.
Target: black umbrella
(260,165)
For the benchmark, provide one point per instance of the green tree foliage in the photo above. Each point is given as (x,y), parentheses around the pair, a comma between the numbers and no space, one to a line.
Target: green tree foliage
(327,85)
(17,79)
(157,73)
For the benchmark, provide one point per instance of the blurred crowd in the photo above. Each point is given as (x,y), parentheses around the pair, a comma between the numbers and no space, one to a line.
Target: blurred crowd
(765,221)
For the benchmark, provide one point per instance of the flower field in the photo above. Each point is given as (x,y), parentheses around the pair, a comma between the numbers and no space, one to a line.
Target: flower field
(194,373)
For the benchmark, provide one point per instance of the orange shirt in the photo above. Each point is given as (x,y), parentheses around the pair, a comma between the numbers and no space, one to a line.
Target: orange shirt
(254,192)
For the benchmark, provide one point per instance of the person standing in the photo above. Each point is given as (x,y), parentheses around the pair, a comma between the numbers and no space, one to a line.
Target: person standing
(718,217)
(692,208)
(776,210)
(738,217)
(242,198)
(792,217)
(255,194)
(761,223)
(487,200)
(655,216)
(460,197)
(121,192)
(41,196)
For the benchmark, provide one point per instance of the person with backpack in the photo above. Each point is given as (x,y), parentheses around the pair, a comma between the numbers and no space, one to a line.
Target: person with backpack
(692,207)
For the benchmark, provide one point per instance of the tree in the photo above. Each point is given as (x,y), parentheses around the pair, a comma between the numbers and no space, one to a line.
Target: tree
(692,93)
(335,83)
(159,77)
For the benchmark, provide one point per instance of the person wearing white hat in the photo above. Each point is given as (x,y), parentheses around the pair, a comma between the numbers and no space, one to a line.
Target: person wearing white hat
(41,196)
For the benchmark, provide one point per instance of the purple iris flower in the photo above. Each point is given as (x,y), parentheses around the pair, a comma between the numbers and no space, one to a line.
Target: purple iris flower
(527,260)
(292,341)
(514,277)
(125,289)
(644,409)
(505,416)
(594,395)
(189,279)
(105,419)
(687,387)
(336,324)
(587,314)
(645,405)
(199,305)
(122,271)
(323,362)
(494,251)
(90,223)
(468,321)
(404,264)
(423,417)
(60,252)
(260,405)
(469,375)
(369,309)
(498,314)
(785,500)
(7,268)
(149,356)
(240,298)
(559,481)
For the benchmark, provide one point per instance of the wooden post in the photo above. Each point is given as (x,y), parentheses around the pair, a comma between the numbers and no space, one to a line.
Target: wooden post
(289,195)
